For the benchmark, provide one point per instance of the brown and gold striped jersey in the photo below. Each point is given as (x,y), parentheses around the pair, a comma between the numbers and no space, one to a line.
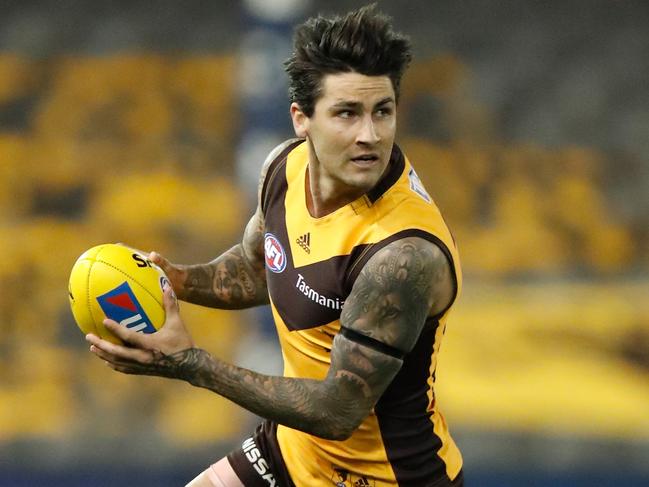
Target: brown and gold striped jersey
(311,265)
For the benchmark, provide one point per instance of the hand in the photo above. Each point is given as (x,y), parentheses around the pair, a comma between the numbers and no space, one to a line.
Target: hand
(175,273)
(160,353)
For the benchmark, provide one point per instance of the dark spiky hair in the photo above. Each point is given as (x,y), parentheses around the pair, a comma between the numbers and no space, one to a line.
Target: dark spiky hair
(361,41)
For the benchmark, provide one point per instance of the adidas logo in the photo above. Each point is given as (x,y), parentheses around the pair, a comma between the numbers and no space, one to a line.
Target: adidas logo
(304,241)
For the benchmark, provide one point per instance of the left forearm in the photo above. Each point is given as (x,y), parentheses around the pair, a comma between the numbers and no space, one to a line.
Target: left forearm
(308,405)
(331,408)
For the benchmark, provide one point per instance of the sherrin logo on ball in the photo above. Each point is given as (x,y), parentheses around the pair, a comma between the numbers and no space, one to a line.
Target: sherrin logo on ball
(118,282)
(275,255)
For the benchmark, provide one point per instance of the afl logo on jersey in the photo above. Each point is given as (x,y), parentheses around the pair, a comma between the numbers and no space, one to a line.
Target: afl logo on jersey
(275,255)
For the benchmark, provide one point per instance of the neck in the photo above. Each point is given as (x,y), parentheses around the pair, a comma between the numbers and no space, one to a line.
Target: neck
(323,196)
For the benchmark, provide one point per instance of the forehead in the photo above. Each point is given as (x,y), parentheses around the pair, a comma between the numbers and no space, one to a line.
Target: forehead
(355,87)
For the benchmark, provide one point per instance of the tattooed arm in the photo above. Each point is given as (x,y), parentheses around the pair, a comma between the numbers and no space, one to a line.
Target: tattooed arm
(234,280)
(397,289)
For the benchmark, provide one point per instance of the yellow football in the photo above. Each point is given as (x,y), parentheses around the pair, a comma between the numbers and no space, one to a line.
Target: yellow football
(118,282)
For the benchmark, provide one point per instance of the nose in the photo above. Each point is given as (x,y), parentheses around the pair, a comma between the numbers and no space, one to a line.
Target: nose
(367,134)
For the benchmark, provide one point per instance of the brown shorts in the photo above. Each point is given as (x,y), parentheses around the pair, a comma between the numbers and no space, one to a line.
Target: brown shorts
(259,463)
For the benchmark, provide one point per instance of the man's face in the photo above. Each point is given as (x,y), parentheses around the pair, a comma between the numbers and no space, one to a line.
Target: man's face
(352,129)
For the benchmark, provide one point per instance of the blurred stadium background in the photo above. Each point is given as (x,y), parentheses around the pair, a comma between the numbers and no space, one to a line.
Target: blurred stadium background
(146,122)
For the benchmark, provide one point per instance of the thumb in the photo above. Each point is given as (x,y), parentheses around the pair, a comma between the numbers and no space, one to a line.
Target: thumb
(158,260)
(129,337)
(176,336)
(170,301)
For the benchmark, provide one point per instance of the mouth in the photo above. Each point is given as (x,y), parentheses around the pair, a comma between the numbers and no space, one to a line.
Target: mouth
(366,160)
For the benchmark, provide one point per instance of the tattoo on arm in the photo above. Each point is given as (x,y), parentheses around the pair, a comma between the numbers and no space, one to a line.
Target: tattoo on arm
(331,409)
(390,301)
(236,279)
(397,290)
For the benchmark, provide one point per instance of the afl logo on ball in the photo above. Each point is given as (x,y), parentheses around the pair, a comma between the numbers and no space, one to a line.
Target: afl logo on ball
(164,283)
(275,255)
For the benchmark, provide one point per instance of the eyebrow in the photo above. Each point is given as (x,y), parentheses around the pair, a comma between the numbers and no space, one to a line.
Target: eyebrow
(357,104)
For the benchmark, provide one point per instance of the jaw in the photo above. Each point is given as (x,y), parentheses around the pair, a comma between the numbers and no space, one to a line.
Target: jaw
(365,174)
(335,184)
(350,182)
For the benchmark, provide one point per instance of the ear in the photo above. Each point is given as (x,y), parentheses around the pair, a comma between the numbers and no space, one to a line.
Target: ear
(300,121)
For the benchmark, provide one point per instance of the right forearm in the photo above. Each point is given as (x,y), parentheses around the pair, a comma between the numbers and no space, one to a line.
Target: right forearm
(230,281)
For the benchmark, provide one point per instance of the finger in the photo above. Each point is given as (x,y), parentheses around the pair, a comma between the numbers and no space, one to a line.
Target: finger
(143,366)
(128,336)
(159,260)
(114,361)
(92,338)
(109,359)
(96,340)
(126,367)
(129,358)
(170,301)
(115,353)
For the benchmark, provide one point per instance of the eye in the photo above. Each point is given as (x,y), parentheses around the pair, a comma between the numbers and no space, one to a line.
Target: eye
(345,114)
(384,112)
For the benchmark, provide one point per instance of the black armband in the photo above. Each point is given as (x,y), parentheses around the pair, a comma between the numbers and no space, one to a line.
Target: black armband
(372,343)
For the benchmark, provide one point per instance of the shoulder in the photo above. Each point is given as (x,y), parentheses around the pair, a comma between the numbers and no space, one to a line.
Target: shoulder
(413,253)
(401,285)
(273,156)
(277,150)
(415,266)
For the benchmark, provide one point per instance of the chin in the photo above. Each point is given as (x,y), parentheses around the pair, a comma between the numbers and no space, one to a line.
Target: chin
(368,178)
(363,182)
